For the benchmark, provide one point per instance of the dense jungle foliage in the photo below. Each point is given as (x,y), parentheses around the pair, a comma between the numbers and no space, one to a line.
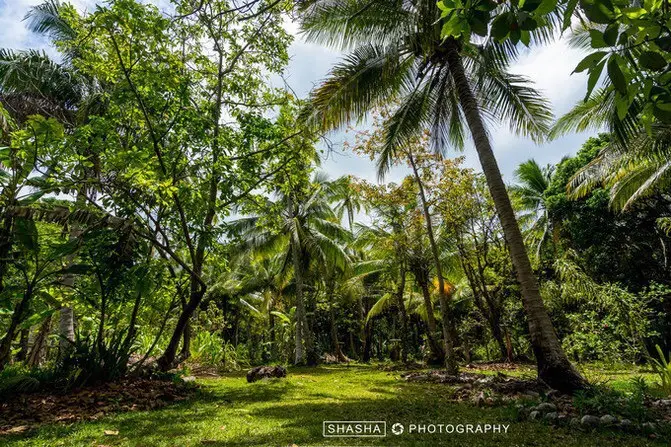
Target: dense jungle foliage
(163,205)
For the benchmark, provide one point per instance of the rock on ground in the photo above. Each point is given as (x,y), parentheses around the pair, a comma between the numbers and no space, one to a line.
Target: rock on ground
(590,420)
(265,372)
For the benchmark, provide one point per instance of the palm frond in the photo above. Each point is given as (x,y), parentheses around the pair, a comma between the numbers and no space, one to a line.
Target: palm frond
(46,18)
(379,306)
(368,77)
(346,24)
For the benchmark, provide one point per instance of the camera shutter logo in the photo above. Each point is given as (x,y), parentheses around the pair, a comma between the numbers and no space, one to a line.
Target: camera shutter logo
(397,428)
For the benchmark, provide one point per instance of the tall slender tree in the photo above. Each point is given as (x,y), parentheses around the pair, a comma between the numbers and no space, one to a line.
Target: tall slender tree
(445,84)
(307,229)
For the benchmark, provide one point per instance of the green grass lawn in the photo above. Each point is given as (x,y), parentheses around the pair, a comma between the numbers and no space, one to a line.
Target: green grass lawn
(230,412)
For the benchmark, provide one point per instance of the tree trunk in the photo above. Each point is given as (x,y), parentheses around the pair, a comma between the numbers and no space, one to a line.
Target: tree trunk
(197,287)
(495,327)
(486,304)
(362,329)
(23,344)
(437,354)
(66,329)
(185,352)
(405,344)
(554,368)
(367,342)
(17,317)
(334,328)
(446,320)
(273,338)
(66,325)
(168,360)
(352,346)
(6,242)
(39,344)
(301,323)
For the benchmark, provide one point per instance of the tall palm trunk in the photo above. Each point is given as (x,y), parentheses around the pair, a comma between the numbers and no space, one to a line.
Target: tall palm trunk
(301,323)
(553,366)
(337,351)
(405,342)
(446,320)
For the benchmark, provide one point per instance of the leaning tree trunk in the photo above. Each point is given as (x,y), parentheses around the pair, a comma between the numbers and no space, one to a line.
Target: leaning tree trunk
(169,358)
(445,299)
(17,317)
(554,368)
(438,356)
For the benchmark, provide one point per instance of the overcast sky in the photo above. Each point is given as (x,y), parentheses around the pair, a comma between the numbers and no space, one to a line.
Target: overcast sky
(549,67)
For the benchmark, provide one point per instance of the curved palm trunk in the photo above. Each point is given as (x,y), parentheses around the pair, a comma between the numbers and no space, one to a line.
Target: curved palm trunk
(446,320)
(553,366)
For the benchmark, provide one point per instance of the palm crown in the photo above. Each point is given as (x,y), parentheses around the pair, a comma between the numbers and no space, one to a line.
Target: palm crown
(398,56)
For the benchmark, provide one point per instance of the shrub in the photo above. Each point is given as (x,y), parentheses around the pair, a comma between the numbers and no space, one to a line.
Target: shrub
(207,349)
(17,379)
(600,399)
(662,367)
(88,361)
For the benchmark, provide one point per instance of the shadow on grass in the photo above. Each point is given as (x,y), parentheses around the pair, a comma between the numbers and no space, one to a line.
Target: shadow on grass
(280,413)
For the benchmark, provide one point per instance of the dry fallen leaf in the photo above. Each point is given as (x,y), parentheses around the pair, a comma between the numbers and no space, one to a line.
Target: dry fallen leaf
(111,432)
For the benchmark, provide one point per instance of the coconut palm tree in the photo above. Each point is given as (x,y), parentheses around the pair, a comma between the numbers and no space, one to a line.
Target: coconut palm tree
(307,229)
(397,54)
(533,182)
(32,82)
(632,171)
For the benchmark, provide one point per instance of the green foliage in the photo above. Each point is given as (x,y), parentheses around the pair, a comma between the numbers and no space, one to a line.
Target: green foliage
(600,399)
(208,349)
(513,21)
(632,41)
(662,368)
(603,321)
(19,379)
(91,361)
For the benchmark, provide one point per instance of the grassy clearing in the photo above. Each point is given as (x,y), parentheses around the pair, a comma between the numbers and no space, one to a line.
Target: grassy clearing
(230,412)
